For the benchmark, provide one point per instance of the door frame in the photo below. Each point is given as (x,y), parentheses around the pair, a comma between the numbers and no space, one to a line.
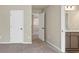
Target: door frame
(32,25)
(63,28)
(44,25)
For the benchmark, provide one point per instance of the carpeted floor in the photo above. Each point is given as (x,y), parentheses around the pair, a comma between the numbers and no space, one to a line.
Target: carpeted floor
(36,47)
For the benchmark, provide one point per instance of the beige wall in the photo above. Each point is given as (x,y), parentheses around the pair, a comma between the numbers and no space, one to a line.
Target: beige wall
(5,22)
(36,11)
(53,14)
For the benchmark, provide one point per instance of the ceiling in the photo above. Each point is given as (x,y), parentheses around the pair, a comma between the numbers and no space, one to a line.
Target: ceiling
(39,7)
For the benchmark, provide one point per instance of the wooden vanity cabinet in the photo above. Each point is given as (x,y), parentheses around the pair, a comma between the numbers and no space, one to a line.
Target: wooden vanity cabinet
(72,40)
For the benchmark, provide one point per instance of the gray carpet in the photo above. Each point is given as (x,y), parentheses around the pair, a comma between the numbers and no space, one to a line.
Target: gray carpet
(37,46)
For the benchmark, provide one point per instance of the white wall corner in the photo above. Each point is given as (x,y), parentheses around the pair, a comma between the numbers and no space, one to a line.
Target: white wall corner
(58,50)
(62,29)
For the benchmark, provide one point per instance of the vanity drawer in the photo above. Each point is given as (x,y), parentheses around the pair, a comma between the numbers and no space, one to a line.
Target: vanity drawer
(75,33)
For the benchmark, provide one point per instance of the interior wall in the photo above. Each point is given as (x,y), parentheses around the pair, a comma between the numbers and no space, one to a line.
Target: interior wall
(53,25)
(5,22)
(36,11)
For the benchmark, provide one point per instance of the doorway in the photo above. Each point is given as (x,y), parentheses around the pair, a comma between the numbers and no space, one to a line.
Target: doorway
(38,26)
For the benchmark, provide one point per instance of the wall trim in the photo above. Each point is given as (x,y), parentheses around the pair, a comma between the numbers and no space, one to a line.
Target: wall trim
(54,47)
(63,29)
(15,42)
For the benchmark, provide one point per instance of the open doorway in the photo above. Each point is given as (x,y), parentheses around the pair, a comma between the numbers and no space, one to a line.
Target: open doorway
(38,26)
(35,24)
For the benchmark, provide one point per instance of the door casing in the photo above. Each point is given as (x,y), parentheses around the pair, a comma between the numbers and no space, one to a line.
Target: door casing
(62,29)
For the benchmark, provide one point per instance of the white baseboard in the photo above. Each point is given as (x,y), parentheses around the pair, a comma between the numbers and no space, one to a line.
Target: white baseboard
(54,47)
(15,42)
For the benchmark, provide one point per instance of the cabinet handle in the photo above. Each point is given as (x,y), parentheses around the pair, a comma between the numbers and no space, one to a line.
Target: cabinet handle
(78,41)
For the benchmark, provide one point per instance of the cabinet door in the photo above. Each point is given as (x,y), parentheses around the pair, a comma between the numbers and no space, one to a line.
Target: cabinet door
(74,41)
(68,40)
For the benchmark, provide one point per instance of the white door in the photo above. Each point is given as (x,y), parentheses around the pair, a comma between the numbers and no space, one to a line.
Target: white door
(41,26)
(62,29)
(16,26)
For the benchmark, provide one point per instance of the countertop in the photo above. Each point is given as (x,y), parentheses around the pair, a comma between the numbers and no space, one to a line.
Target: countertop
(71,30)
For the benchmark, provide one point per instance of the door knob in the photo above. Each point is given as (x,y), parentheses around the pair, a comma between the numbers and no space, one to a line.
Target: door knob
(21,28)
